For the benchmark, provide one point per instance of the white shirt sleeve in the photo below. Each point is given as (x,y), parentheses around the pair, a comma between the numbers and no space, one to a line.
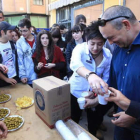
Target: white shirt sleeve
(76,59)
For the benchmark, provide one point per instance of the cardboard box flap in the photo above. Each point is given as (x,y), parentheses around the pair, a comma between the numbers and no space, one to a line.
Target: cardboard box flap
(50,82)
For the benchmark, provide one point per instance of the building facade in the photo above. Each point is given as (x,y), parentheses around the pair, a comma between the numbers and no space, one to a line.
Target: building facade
(44,13)
(65,11)
(35,10)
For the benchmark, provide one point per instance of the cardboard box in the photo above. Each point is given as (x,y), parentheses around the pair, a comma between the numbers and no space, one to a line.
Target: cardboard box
(52,99)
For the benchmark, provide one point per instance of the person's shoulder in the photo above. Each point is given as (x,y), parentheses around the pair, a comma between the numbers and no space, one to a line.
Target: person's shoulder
(21,39)
(7,44)
(107,52)
(57,48)
(116,50)
(82,45)
(72,42)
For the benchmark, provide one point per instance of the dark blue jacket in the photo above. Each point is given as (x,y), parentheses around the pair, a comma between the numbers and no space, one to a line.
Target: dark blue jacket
(70,46)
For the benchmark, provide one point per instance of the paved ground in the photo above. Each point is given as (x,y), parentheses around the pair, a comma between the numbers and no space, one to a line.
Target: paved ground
(108,135)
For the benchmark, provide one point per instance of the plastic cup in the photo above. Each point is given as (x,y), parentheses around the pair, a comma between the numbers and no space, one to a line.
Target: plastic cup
(84,94)
(81,102)
(101,98)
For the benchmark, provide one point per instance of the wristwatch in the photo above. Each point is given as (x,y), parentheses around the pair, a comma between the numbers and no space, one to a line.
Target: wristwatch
(87,75)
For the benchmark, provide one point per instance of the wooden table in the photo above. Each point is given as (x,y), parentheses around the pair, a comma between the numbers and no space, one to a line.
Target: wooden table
(34,128)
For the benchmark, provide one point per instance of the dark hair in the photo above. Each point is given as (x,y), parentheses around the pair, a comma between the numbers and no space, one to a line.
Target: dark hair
(17,32)
(35,32)
(77,28)
(1,13)
(68,36)
(55,25)
(25,22)
(92,31)
(5,31)
(62,27)
(55,32)
(39,46)
(78,17)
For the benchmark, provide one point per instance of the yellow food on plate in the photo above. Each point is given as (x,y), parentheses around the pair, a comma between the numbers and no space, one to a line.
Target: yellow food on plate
(24,102)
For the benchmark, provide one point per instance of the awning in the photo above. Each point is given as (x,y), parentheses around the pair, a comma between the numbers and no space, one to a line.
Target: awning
(61,3)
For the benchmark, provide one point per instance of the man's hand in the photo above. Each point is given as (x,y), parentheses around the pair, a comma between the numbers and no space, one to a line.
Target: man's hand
(3,130)
(123,120)
(3,68)
(11,81)
(24,80)
(97,84)
(118,98)
(91,102)
(90,95)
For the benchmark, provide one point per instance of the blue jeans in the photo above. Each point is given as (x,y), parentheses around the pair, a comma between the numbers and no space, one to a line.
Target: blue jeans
(132,133)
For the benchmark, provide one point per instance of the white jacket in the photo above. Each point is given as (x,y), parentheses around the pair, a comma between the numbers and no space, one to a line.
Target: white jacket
(81,57)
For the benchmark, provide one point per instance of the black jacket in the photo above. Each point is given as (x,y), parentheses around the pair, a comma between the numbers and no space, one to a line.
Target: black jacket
(70,46)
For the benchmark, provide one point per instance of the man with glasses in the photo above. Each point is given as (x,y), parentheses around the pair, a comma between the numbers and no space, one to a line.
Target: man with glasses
(25,48)
(120,26)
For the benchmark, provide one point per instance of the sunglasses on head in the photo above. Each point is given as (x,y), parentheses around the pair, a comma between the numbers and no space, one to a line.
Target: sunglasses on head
(102,22)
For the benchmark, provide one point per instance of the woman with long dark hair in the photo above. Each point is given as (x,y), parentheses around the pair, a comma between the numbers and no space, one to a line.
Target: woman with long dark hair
(56,36)
(77,38)
(48,58)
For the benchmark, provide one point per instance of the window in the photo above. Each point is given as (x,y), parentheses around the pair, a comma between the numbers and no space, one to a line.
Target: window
(38,2)
(14,20)
(64,16)
(39,21)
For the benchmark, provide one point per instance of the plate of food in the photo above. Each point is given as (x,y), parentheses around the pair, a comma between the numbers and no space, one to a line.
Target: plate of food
(24,102)
(4,98)
(14,122)
(4,112)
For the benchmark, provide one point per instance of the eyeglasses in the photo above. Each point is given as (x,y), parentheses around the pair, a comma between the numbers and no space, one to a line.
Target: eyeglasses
(102,22)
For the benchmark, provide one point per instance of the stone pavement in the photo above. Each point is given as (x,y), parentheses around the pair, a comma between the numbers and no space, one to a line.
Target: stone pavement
(108,135)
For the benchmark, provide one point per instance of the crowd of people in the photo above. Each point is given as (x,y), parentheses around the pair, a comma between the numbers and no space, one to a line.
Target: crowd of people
(97,57)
